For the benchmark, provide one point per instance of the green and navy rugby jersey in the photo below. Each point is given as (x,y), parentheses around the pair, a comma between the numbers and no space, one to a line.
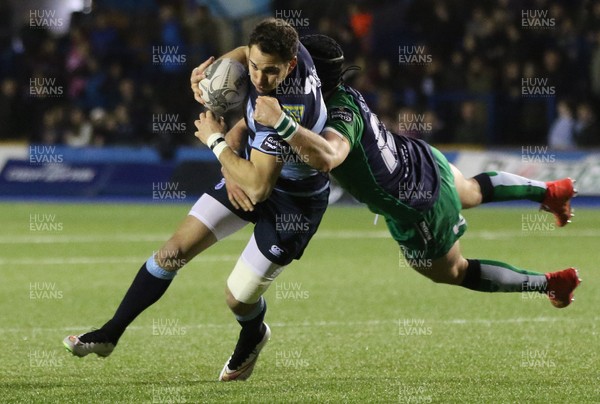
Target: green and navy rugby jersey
(395,176)
(299,95)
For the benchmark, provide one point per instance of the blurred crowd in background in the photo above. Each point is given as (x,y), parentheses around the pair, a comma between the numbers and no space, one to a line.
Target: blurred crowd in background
(475,72)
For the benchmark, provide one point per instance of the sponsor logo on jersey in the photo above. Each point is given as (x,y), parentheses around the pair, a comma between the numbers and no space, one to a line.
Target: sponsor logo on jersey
(341,114)
(424,230)
(296,111)
(457,226)
(276,250)
(272,143)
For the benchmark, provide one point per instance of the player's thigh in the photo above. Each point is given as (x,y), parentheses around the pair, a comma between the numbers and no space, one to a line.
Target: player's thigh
(191,238)
(449,268)
(468,189)
(209,221)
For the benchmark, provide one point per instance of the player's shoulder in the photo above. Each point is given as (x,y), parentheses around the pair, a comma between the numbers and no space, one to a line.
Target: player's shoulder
(341,106)
(343,116)
(305,61)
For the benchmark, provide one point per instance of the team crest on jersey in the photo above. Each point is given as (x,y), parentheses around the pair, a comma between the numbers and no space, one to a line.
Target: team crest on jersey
(296,111)
(272,143)
(341,114)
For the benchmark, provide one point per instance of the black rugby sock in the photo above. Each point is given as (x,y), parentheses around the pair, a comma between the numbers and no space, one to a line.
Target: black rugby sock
(144,291)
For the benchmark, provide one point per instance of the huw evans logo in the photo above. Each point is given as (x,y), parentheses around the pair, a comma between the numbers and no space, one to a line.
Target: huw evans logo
(537,154)
(537,87)
(293,17)
(413,327)
(167,191)
(168,55)
(44,19)
(44,155)
(45,87)
(413,123)
(537,19)
(413,55)
(44,290)
(167,123)
(291,291)
(291,223)
(168,327)
(44,222)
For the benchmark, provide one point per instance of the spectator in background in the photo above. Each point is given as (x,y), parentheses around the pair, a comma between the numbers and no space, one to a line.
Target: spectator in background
(433,126)
(76,63)
(479,47)
(595,66)
(53,126)
(556,73)
(510,102)
(587,127)
(10,109)
(92,95)
(361,21)
(562,130)
(203,33)
(471,128)
(78,130)
(98,119)
(479,78)
(103,35)
(452,75)
(124,130)
(111,88)
(171,35)
(529,114)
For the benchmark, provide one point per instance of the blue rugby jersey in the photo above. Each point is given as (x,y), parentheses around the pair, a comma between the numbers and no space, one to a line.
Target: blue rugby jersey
(299,94)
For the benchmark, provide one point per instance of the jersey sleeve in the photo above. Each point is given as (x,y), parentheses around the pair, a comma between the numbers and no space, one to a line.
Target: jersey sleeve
(345,122)
(267,142)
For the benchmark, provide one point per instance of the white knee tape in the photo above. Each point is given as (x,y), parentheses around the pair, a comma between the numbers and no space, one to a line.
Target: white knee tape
(245,284)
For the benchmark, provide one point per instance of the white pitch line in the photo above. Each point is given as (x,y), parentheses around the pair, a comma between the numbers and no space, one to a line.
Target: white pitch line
(456,321)
(324,234)
(103,260)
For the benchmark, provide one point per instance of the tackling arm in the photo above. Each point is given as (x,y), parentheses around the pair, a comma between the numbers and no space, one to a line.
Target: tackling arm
(324,153)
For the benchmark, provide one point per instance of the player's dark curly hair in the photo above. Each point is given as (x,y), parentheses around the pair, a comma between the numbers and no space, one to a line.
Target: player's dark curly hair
(328,57)
(275,37)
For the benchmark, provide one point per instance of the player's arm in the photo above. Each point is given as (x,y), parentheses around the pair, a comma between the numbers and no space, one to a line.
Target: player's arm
(236,139)
(256,176)
(323,153)
(237,136)
(240,54)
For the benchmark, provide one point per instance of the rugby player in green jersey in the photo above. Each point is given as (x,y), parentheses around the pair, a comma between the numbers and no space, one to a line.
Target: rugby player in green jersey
(414,187)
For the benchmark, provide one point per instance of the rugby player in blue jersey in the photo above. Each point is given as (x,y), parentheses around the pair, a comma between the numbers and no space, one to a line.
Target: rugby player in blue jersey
(415,188)
(276,183)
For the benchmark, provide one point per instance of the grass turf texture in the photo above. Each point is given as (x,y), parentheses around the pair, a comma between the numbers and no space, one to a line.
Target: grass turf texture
(351,322)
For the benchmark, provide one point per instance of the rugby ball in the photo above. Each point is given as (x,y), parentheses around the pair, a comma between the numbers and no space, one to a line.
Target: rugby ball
(225,86)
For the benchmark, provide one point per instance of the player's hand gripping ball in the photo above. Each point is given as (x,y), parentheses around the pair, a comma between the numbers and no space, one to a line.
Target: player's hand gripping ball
(225,86)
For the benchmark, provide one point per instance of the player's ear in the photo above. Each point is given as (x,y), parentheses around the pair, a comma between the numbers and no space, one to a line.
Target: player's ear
(292,64)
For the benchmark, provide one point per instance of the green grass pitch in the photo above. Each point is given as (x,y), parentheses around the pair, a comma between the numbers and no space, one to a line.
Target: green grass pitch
(351,322)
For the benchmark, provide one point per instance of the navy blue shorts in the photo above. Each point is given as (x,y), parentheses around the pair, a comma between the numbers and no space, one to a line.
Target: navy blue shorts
(284,224)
